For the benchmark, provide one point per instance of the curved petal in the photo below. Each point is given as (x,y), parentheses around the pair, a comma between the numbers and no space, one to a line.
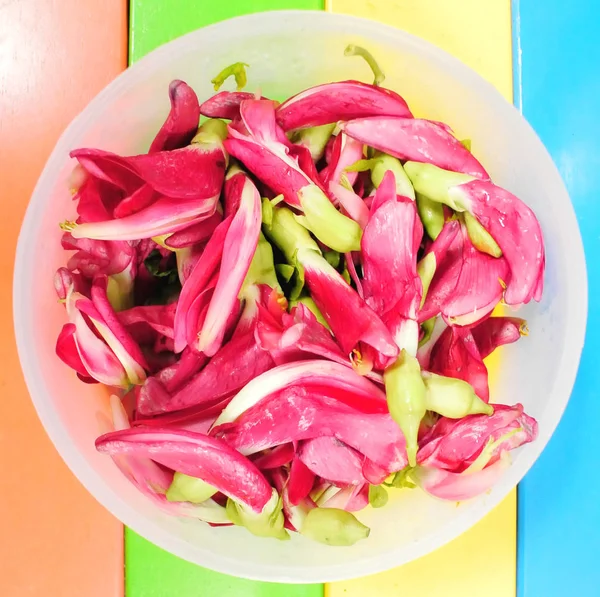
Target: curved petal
(330,102)
(416,140)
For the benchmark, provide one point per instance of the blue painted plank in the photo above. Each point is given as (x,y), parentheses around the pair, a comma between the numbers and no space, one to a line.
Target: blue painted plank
(557,85)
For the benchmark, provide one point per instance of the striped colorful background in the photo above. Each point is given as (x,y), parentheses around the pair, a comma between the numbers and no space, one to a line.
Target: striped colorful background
(57,542)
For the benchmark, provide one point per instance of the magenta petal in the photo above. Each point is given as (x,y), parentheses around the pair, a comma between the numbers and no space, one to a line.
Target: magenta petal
(455,354)
(301,413)
(353,498)
(298,337)
(517,231)
(160,318)
(235,181)
(348,316)
(164,216)
(332,460)
(195,233)
(64,280)
(225,104)
(324,104)
(117,329)
(448,252)
(265,150)
(238,361)
(389,249)
(66,349)
(459,486)
(346,151)
(479,288)
(497,331)
(151,479)
(96,200)
(109,167)
(352,205)
(453,444)
(416,140)
(196,455)
(193,172)
(182,122)
(240,245)
(300,482)
(137,201)
(151,396)
(97,358)
(188,365)
(205,268)
(279,456)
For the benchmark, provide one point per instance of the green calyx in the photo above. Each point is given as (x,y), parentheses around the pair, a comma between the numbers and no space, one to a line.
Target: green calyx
(285,231)
(184,488)
(426,270)
(262,266)
(431,214)
(452,398)
(333,526)
(482,240)
(314,139)
(268,523)
(330,226)
(236,70)
(378,496)
(406,398)
(211,132)
(353,50)
(383,163)
(427,327)
(437,184)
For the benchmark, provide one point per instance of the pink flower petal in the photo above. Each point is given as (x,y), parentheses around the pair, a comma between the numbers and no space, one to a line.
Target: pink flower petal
(195,233)
(203,271)
(455,354)
(265,150)
(324,104)
(164,216)
(225,104)
(279,456)
(497,331)
(460,486)
(332,460)
(348,316)
(182,122)
(416,140)
(239,247)
(517,231)
(207,458)
(304,412)
(66,349)
(453,444)
(137,201)
(300,482)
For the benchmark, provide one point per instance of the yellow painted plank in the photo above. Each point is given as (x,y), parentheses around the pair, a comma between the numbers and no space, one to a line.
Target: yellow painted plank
(479,563)
(482,562)
(478,32)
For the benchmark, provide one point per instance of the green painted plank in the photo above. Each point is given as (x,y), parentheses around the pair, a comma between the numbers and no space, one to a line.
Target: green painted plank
(154,22)
(150,571)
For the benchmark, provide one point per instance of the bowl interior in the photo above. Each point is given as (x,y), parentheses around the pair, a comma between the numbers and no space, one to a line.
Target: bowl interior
(289,51)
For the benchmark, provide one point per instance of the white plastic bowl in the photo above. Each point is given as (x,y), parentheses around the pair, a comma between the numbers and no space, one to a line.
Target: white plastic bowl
(289,51)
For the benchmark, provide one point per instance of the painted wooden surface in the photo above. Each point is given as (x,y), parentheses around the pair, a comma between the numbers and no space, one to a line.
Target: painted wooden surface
(557,85)
(482,562)
(54,57)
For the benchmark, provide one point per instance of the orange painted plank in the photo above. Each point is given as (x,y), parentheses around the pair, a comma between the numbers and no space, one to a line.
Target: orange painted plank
(55,55)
